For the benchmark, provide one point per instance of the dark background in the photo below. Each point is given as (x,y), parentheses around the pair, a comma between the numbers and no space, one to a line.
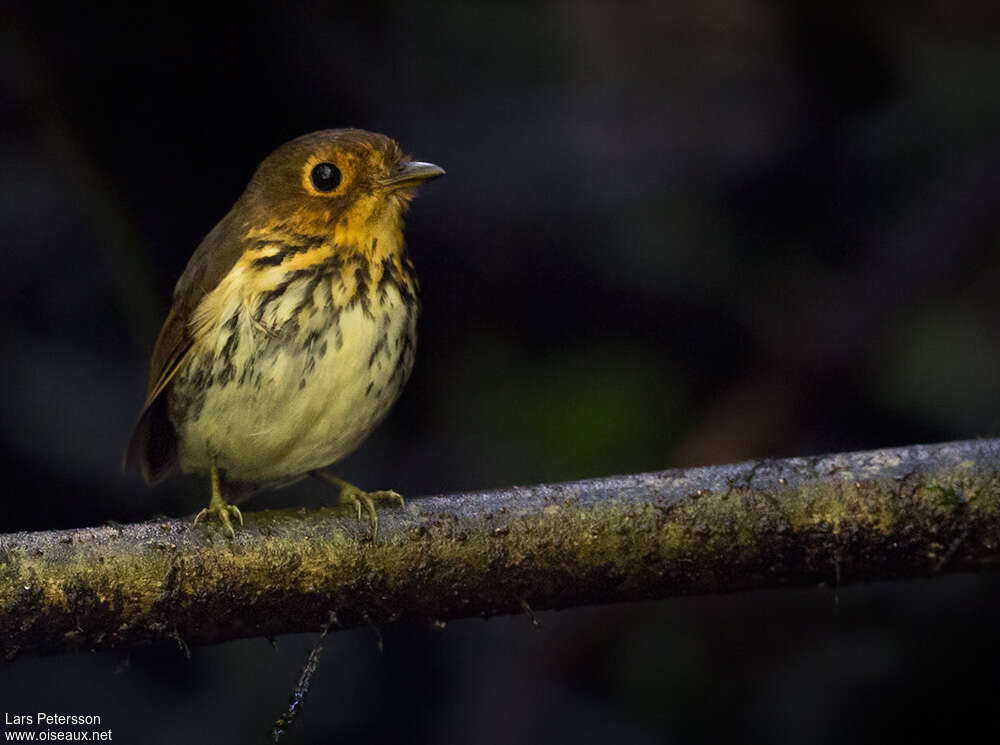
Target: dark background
(670,234)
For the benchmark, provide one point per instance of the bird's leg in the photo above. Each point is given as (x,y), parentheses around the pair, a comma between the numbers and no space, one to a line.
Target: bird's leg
(351,494)
(218,506)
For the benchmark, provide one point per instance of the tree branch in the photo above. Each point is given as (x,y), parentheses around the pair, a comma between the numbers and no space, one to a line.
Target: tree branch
(885,514)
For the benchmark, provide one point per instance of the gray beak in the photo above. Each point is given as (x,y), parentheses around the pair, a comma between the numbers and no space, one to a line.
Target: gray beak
(412,173)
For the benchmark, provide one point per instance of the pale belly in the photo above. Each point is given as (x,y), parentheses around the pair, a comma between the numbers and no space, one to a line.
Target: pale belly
(273,406)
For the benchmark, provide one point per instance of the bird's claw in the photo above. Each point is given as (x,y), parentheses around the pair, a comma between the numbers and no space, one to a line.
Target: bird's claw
(366,500)
(222,510)
(363,501)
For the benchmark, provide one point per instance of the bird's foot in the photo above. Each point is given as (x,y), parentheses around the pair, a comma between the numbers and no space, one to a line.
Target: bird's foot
(350,494)
(222,510)
(362,500)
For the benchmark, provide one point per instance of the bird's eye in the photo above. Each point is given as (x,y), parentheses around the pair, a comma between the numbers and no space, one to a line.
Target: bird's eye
(325,177)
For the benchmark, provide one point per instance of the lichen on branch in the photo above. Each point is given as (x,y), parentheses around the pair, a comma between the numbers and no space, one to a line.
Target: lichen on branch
(884,514)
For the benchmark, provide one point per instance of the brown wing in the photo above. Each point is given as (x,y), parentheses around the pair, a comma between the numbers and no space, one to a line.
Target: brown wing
(154,441)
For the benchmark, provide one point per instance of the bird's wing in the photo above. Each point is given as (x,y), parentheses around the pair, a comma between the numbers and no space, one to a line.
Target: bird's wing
(154,441)
(171,350)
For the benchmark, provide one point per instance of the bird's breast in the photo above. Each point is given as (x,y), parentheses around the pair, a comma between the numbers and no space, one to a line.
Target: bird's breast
(296,360)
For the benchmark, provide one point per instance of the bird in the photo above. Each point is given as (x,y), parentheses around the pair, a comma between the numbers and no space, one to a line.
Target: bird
(293,327)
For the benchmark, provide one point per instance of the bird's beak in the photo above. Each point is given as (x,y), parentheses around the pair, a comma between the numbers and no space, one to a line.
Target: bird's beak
(411,173)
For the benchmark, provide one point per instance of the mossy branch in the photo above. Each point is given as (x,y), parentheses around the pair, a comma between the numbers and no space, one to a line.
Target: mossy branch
(885,514)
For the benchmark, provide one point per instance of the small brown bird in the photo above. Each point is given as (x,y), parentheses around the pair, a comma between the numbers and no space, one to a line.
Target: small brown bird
(293,327)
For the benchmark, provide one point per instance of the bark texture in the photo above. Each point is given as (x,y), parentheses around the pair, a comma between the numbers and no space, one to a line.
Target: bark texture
(903,512)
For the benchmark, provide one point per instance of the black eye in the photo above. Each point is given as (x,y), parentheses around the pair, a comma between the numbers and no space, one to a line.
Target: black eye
(325,177)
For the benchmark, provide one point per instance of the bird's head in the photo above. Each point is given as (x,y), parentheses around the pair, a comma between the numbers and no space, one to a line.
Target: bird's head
(345,180)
